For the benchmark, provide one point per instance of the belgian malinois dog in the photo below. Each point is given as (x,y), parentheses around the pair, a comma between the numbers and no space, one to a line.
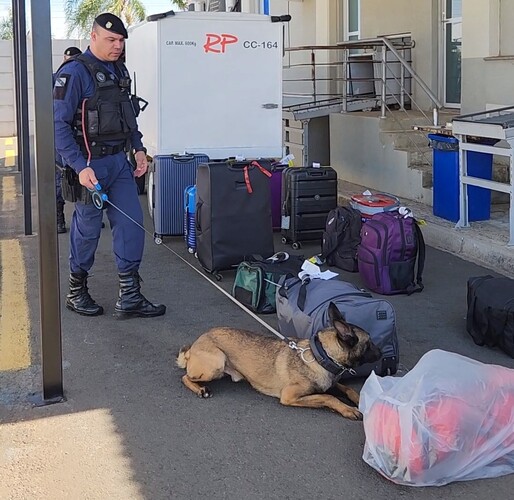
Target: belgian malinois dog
(273,368)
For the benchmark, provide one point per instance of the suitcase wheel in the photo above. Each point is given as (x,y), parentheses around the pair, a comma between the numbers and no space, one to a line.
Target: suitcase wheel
(157,238)
(284,240)
(191,250)
(296,245)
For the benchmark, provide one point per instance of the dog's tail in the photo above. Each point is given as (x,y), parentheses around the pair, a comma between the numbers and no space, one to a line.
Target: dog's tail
(183,356)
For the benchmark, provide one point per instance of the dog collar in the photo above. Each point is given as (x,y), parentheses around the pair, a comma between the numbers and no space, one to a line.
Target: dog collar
(325,360)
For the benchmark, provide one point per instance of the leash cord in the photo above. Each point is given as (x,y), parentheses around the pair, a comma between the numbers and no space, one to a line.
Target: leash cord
(103,197)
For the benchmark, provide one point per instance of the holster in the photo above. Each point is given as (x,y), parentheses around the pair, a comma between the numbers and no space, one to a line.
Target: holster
(72,189)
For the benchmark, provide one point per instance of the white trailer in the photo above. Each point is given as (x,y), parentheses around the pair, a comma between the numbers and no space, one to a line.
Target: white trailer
(213,81)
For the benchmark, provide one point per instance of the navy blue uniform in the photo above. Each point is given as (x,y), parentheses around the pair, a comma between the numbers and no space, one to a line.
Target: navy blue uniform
(73,84)
(58,186)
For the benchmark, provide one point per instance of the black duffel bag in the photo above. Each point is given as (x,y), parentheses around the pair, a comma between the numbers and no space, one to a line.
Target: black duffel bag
(490,317)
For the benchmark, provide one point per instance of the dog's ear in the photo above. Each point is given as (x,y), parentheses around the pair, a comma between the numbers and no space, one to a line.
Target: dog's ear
(343,329)
(334,314)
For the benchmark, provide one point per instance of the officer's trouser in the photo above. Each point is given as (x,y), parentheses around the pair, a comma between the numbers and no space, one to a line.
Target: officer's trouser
(115,175)
(58,185)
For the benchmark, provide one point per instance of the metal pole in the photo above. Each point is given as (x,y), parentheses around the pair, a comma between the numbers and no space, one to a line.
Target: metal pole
(463,189)
(313,75)
(345,80)
(22,111)
(384,79)
(305,141)
(51,351)
(402,87)
(16,38)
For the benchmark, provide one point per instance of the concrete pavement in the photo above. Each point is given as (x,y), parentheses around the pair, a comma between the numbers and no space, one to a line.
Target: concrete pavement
(129,429)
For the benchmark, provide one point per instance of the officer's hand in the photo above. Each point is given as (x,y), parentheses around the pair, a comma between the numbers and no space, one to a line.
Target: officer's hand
(141,164)
(88,178)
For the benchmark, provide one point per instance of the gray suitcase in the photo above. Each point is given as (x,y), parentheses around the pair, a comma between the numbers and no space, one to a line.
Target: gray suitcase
(302,310)
(168,178)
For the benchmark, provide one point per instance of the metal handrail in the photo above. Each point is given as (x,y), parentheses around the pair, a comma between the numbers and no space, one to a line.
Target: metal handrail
(414,75)
(388,43)
(389,88)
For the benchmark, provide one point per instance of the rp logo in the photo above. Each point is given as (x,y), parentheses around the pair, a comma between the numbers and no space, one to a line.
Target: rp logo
(218,43)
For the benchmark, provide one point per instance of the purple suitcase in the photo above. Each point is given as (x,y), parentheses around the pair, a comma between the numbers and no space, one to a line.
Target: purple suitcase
(390,245)
(276,195)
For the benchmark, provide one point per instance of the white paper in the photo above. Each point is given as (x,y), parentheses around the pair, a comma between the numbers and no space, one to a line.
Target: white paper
(313,271)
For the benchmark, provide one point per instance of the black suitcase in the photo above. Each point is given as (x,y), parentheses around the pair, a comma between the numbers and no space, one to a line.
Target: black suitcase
(308,195)
(490,316)
(233,213)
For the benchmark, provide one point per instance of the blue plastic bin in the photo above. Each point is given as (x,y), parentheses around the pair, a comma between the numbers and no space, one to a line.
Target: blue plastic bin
(446,180)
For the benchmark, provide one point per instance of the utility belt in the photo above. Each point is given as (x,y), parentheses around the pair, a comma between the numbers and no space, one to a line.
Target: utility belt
(72,189)
(100,150)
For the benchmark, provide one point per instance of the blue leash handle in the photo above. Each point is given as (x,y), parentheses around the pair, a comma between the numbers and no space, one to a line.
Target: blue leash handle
(98,196)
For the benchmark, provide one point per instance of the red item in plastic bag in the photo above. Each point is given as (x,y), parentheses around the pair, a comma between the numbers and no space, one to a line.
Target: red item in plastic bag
(449,419)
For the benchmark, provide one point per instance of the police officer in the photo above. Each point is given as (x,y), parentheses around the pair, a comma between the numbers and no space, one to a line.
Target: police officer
(61,222)
(95,125)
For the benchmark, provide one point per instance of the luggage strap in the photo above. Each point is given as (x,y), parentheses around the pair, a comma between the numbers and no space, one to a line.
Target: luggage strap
(302,293)
(418,286)
(247,175)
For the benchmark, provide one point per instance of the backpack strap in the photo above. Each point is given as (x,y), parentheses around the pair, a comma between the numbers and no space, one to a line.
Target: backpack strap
(418,286)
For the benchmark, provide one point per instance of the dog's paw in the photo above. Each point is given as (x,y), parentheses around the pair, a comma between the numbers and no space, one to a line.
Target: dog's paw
(354,414)
(205,393)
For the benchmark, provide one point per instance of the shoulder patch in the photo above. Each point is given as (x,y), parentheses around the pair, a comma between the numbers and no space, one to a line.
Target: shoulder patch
(60,85)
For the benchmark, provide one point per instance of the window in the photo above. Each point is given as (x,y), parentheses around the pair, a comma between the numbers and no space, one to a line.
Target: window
(352,17)
(452,26)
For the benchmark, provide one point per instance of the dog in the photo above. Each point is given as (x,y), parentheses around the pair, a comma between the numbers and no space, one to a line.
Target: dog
(273,368)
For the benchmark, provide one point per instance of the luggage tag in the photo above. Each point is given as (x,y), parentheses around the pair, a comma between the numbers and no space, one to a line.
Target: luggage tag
(286,221)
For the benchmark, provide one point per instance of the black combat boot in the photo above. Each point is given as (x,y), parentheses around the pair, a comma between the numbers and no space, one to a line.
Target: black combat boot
(61,223)
(78,299)
(131,302)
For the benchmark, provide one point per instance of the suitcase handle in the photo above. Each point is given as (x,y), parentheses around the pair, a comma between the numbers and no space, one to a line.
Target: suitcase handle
(237,166)
(184,158)
(317,173)
(241,165)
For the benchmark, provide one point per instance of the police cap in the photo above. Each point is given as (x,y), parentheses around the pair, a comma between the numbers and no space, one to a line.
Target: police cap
(72,51)
(112,23)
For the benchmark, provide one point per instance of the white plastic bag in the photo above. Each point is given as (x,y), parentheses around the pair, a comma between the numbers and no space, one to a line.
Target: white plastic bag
(449,419)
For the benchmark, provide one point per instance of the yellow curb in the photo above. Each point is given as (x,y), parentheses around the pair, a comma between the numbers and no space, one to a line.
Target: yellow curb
(14,310)
(10,154)
(8,191)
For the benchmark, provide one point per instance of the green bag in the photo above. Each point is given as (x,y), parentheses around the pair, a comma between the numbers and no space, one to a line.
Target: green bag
(257,280)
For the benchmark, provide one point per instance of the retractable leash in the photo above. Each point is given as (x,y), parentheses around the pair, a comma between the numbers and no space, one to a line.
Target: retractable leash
(99,198)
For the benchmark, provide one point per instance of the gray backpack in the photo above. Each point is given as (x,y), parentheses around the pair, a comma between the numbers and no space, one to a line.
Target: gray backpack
(302,310)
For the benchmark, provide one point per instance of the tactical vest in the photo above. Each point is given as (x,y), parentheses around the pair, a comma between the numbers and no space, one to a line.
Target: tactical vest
(108,116)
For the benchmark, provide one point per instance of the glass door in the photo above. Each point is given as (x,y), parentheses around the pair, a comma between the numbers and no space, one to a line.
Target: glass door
(452,57)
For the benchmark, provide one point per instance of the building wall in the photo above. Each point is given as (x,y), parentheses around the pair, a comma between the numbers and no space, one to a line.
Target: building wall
(7,88)
(487,54)
(417,17)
